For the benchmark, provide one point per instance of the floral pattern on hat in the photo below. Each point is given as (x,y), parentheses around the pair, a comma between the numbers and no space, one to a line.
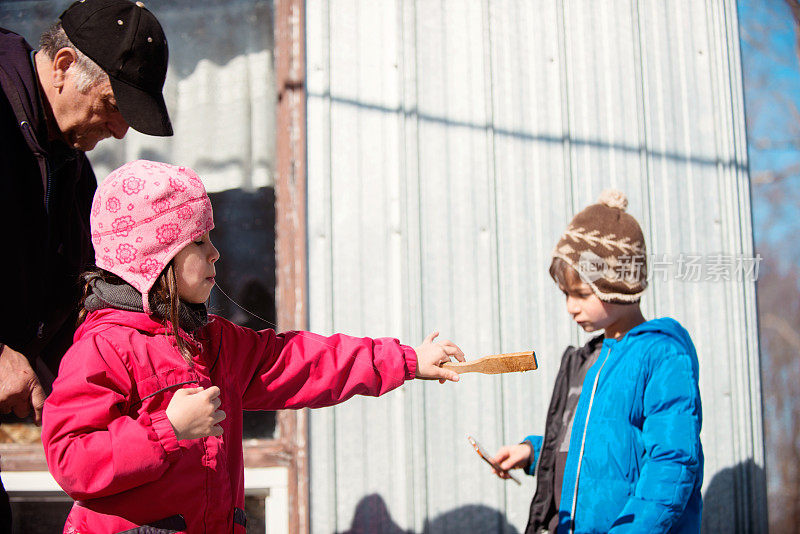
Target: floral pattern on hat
(167,233)
(122,225)
(96,205)
(132,185)
(151,268)
(113,204)
(161,204)
(126,253)
(185,213)
(177,184)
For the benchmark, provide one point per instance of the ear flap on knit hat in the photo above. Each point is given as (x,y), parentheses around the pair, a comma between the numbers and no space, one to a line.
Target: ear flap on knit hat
(143,214)
(606,247)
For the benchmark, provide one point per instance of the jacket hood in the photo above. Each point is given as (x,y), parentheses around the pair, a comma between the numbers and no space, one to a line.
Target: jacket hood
(666,326)
(98,320)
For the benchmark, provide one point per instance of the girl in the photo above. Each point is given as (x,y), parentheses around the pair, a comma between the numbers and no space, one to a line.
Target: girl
(144,425)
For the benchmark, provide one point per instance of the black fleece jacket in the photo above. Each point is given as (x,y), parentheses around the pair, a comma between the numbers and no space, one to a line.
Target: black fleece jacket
(46,191)
(543,506)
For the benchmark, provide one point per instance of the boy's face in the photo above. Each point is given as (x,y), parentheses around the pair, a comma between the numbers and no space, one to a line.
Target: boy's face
(194,269)
(591,313)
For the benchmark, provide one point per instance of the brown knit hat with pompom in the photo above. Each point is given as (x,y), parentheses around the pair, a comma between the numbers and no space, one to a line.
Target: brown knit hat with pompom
(606,248)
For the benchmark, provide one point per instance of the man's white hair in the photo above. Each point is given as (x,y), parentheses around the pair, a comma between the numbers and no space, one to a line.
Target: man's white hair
(88,72)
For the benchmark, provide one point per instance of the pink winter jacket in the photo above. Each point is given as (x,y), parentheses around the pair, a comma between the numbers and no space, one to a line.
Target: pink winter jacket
(111,447)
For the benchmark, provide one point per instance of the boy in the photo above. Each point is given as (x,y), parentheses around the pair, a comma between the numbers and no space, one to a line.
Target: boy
(621,450)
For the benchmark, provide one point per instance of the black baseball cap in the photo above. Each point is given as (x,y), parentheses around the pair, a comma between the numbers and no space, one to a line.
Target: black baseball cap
(127,42)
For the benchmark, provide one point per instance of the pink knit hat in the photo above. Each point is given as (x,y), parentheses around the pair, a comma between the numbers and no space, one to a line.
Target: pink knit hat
(143,214)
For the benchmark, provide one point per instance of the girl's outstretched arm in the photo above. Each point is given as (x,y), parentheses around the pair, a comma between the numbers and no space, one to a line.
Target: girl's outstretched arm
(302,369)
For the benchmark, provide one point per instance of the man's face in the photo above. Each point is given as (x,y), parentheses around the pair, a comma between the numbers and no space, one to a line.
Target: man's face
(86,118)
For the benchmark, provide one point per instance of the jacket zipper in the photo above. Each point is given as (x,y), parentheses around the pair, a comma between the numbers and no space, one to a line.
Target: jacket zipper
(27,130)
(49,186)
(583,444)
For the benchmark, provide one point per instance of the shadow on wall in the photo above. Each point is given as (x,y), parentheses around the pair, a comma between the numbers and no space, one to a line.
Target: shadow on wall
(722,509)
(372,517)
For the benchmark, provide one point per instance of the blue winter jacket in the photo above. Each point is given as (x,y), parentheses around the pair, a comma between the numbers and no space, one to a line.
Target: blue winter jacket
(635,462)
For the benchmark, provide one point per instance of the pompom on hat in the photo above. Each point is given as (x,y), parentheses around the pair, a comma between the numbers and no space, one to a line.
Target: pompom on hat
(606,247)
(142,215)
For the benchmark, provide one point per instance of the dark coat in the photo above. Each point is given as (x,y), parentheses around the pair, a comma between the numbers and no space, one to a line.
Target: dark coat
(46,190)
(543,506)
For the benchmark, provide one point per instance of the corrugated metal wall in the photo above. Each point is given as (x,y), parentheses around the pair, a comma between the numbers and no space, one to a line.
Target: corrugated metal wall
(449,143)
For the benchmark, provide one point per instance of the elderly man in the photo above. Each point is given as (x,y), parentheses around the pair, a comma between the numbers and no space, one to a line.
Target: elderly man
(99,70)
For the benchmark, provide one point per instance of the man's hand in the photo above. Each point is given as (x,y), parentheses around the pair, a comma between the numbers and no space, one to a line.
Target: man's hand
(19,386)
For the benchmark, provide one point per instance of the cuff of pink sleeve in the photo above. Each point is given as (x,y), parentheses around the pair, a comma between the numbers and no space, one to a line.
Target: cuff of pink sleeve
(166,434)
(410,356)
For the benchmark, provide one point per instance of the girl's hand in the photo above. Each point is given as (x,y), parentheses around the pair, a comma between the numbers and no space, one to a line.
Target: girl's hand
(511,457)
(430,357)
(194,413)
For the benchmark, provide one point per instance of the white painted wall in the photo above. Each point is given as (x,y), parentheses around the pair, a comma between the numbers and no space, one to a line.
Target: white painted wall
(449,143)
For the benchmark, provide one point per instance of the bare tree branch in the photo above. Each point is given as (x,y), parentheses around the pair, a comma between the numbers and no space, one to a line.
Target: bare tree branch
(794,6)
(772,144)
(771,177)
(783,328)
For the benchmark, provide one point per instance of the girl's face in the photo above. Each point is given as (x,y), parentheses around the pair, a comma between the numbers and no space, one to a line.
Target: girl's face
(194,269)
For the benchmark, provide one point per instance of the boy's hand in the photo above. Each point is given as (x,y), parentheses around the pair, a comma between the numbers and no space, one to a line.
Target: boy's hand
(194,413)
(511,457)
(430,357)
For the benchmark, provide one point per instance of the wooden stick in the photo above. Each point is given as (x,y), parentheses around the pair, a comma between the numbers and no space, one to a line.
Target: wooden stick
(497,363)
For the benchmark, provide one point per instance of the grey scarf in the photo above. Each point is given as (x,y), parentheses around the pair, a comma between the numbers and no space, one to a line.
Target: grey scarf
(125,297)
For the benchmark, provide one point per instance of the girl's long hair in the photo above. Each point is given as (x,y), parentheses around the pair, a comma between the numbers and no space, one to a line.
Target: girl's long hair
(165,291)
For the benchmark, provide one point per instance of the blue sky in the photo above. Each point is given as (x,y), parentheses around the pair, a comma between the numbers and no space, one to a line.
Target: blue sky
(772,100)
